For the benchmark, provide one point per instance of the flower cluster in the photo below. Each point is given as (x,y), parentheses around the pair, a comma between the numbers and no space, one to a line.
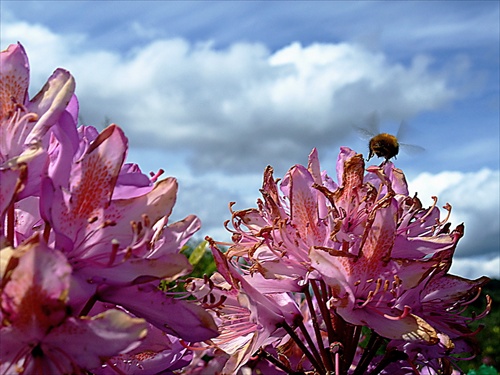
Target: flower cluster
(322,277)
(84,241)
(346,277)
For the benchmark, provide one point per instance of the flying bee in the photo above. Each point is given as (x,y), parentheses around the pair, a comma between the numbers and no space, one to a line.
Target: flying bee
(384,145)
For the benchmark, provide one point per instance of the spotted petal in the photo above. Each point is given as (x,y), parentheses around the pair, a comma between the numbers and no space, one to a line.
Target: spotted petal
(14,79)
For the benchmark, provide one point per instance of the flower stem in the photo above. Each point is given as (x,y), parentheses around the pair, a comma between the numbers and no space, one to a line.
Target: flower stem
(88,306)
(262,353)
(322,301)
(352,345)
(389,357)
(11,222)
(46,231)
(314,362)
(327,360)
(370,351)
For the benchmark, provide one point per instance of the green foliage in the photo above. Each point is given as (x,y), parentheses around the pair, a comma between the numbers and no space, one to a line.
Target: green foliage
(197,253)
(200,257)
(489,337)
(483,370)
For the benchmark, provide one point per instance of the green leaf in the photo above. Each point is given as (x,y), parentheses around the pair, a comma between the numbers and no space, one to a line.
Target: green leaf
(483,370)
(198,253)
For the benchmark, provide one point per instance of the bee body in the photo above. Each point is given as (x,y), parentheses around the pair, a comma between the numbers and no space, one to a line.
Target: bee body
(383,145)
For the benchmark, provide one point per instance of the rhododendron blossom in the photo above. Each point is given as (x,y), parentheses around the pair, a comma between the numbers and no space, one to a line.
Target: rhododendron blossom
(247,317)
(324,276)
(373,265)
(80,230)
(36,324)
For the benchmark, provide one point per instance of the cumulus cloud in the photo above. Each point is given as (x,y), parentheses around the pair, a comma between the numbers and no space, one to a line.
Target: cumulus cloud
(236,109)
(475,201)
(240,103)
(475,267)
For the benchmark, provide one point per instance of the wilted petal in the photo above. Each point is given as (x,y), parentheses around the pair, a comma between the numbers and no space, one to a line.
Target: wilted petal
(5,254)
(344,156)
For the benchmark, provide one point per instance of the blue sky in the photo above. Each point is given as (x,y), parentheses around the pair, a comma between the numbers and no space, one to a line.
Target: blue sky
(212,92)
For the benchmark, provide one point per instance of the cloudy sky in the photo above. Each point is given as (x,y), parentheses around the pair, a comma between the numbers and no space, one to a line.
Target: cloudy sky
(212,92)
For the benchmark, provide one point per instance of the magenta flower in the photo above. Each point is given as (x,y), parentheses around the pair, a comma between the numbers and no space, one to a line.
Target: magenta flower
(24,123)
(247,318)
(109,255)
(68,193)
(158,352)
(368,255)
(37,333)
(321,275)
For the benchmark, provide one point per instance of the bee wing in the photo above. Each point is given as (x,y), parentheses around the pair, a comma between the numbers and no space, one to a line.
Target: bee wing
(371,129)
(373,122)
(403,133)
(411,149)
(363,133)
(403,130)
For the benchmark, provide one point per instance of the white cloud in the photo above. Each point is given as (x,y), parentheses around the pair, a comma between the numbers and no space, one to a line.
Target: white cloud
(475,199)
(475,267)
(239,108)
(235,109)
(143,31)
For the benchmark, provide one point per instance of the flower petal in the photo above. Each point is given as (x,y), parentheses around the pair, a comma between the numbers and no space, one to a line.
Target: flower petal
(135,271)
(51,102)
(14,79)
(88,341)
(34,296)
(189,322)
(12,183)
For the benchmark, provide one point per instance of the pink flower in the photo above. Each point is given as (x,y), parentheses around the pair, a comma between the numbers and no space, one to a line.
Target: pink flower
(118,247)
(369,255)
(71,190)
(156,353)
(24,123)
(247,318)
(37,333)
